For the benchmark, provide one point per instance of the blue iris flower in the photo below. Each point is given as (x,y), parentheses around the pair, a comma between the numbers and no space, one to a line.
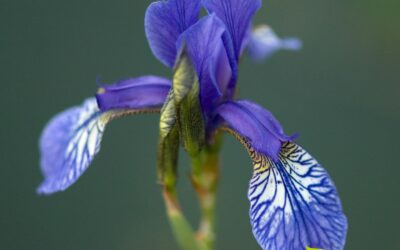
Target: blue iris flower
(293,201)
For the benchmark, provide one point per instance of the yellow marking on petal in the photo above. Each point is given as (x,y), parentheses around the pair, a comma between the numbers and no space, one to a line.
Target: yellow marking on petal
(261,163)
(101,91)
(287,150)
(310,248)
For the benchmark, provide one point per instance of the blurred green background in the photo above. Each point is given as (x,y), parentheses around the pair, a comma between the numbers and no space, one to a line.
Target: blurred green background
(341,93)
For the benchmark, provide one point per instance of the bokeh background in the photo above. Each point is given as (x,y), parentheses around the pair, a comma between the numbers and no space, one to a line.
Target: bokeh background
(341,93)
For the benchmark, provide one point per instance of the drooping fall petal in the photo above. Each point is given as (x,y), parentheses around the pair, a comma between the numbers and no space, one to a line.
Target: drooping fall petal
(71,140)
(293,201)
(257,125)
(69,143)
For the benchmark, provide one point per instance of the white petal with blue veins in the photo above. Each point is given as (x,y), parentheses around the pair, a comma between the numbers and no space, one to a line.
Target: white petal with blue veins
(69,143)
(294,204)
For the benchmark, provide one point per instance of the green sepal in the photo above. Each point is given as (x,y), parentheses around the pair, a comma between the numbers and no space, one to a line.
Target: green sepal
(190,119)
(168,150)
(168,147)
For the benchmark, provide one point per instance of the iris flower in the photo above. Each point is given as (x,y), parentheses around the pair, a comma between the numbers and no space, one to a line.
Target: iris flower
(293,201)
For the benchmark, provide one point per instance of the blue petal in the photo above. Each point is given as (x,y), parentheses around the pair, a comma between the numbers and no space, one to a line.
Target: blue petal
(264,42)
(205,47)
(267,119)
(257,125)
(164,22)
(68,145)
(147,92)
(294,203)
(237,16)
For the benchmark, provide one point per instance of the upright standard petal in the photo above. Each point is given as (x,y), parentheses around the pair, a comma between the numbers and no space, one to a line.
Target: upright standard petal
(69,143)
(205,48)
(164,22)
(237,16)
(147,92)
(264,42)
(257,125)
(293,201)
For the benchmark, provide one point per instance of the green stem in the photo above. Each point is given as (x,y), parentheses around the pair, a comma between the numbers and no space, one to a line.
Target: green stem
(182,230)
(205,176)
